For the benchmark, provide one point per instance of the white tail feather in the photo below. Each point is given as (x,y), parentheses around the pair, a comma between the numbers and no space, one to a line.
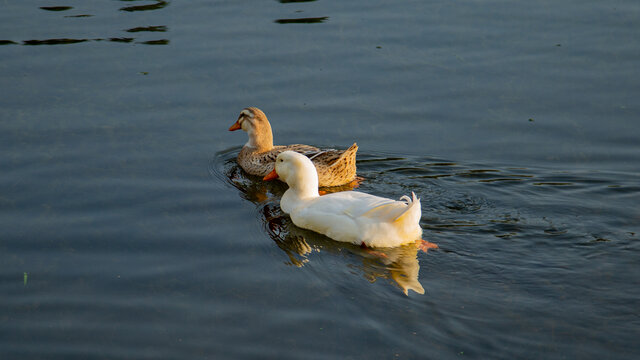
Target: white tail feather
(411,203)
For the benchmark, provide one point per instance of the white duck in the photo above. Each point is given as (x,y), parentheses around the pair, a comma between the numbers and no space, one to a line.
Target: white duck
(347,216)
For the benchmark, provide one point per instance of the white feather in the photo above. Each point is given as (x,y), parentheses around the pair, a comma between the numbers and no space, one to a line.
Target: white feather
(348,216)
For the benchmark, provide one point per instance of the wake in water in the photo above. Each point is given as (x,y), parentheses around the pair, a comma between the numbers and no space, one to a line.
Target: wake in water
(486,215)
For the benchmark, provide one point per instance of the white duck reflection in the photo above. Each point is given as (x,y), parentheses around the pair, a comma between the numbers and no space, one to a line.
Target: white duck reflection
(398,264)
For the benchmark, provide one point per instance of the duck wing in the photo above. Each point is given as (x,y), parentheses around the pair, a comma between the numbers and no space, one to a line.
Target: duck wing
(306,150)
(333,157)
(357,204)
(340,215)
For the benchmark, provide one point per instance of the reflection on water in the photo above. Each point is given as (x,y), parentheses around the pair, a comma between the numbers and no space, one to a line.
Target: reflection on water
(134,8)
(53,41)
(155,6)
(56,8)
(309,20)
(75,41)
(147,28)
(305,20)
(123,40)
(156,42)
(399,264)
(294,1)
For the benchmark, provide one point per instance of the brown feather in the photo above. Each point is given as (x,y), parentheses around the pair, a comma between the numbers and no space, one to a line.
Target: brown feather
(335,167)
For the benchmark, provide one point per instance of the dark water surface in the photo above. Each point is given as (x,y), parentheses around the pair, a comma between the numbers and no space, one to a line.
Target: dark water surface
(128,232)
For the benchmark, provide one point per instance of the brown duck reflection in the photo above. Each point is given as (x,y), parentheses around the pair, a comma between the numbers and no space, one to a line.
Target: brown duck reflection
(398,264)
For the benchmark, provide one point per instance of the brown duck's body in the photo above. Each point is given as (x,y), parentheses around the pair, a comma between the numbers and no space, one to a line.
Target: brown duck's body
(334,167)
(258,156)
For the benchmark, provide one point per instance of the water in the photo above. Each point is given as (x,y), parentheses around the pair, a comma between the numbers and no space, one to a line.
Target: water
(129,232)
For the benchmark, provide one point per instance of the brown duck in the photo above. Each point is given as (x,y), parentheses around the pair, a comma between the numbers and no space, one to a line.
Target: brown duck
(258,155)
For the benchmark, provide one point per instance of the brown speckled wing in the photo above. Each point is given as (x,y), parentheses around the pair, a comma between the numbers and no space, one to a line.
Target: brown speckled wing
(306,150)
(336,167)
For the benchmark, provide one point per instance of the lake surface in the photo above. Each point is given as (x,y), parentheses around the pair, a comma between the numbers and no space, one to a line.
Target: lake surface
(128,231)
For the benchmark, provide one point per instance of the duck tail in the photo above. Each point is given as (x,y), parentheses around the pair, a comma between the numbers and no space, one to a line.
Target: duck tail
(412,213)
(348,155)
(345,164)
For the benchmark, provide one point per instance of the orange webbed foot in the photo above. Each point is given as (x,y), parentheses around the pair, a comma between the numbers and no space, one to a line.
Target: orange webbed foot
(425,245)
(356,182)
(370,251)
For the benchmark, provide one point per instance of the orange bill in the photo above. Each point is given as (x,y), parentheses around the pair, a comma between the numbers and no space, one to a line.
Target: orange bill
(270,176)
(235,126)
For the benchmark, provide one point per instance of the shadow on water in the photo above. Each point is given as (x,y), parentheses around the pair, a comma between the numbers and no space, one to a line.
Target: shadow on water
(397,264)
(156,5)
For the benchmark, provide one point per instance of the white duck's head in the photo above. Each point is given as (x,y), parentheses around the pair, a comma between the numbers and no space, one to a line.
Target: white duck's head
(255,123)
(297,171)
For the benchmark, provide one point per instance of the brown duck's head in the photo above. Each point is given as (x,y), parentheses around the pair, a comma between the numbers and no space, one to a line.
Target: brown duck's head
(255,123)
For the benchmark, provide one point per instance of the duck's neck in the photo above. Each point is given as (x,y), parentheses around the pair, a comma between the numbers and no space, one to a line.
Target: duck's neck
(261,139)
(303,189)
(294,198)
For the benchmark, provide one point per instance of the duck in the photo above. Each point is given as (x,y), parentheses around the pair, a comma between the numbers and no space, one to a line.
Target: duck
(354,217)
(257,157)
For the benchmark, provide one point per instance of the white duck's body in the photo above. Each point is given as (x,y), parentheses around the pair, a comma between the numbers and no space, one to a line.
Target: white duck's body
(348,216)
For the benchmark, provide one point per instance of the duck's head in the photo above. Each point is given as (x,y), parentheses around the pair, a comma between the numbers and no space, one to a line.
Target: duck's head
(296,170)
(255,123)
